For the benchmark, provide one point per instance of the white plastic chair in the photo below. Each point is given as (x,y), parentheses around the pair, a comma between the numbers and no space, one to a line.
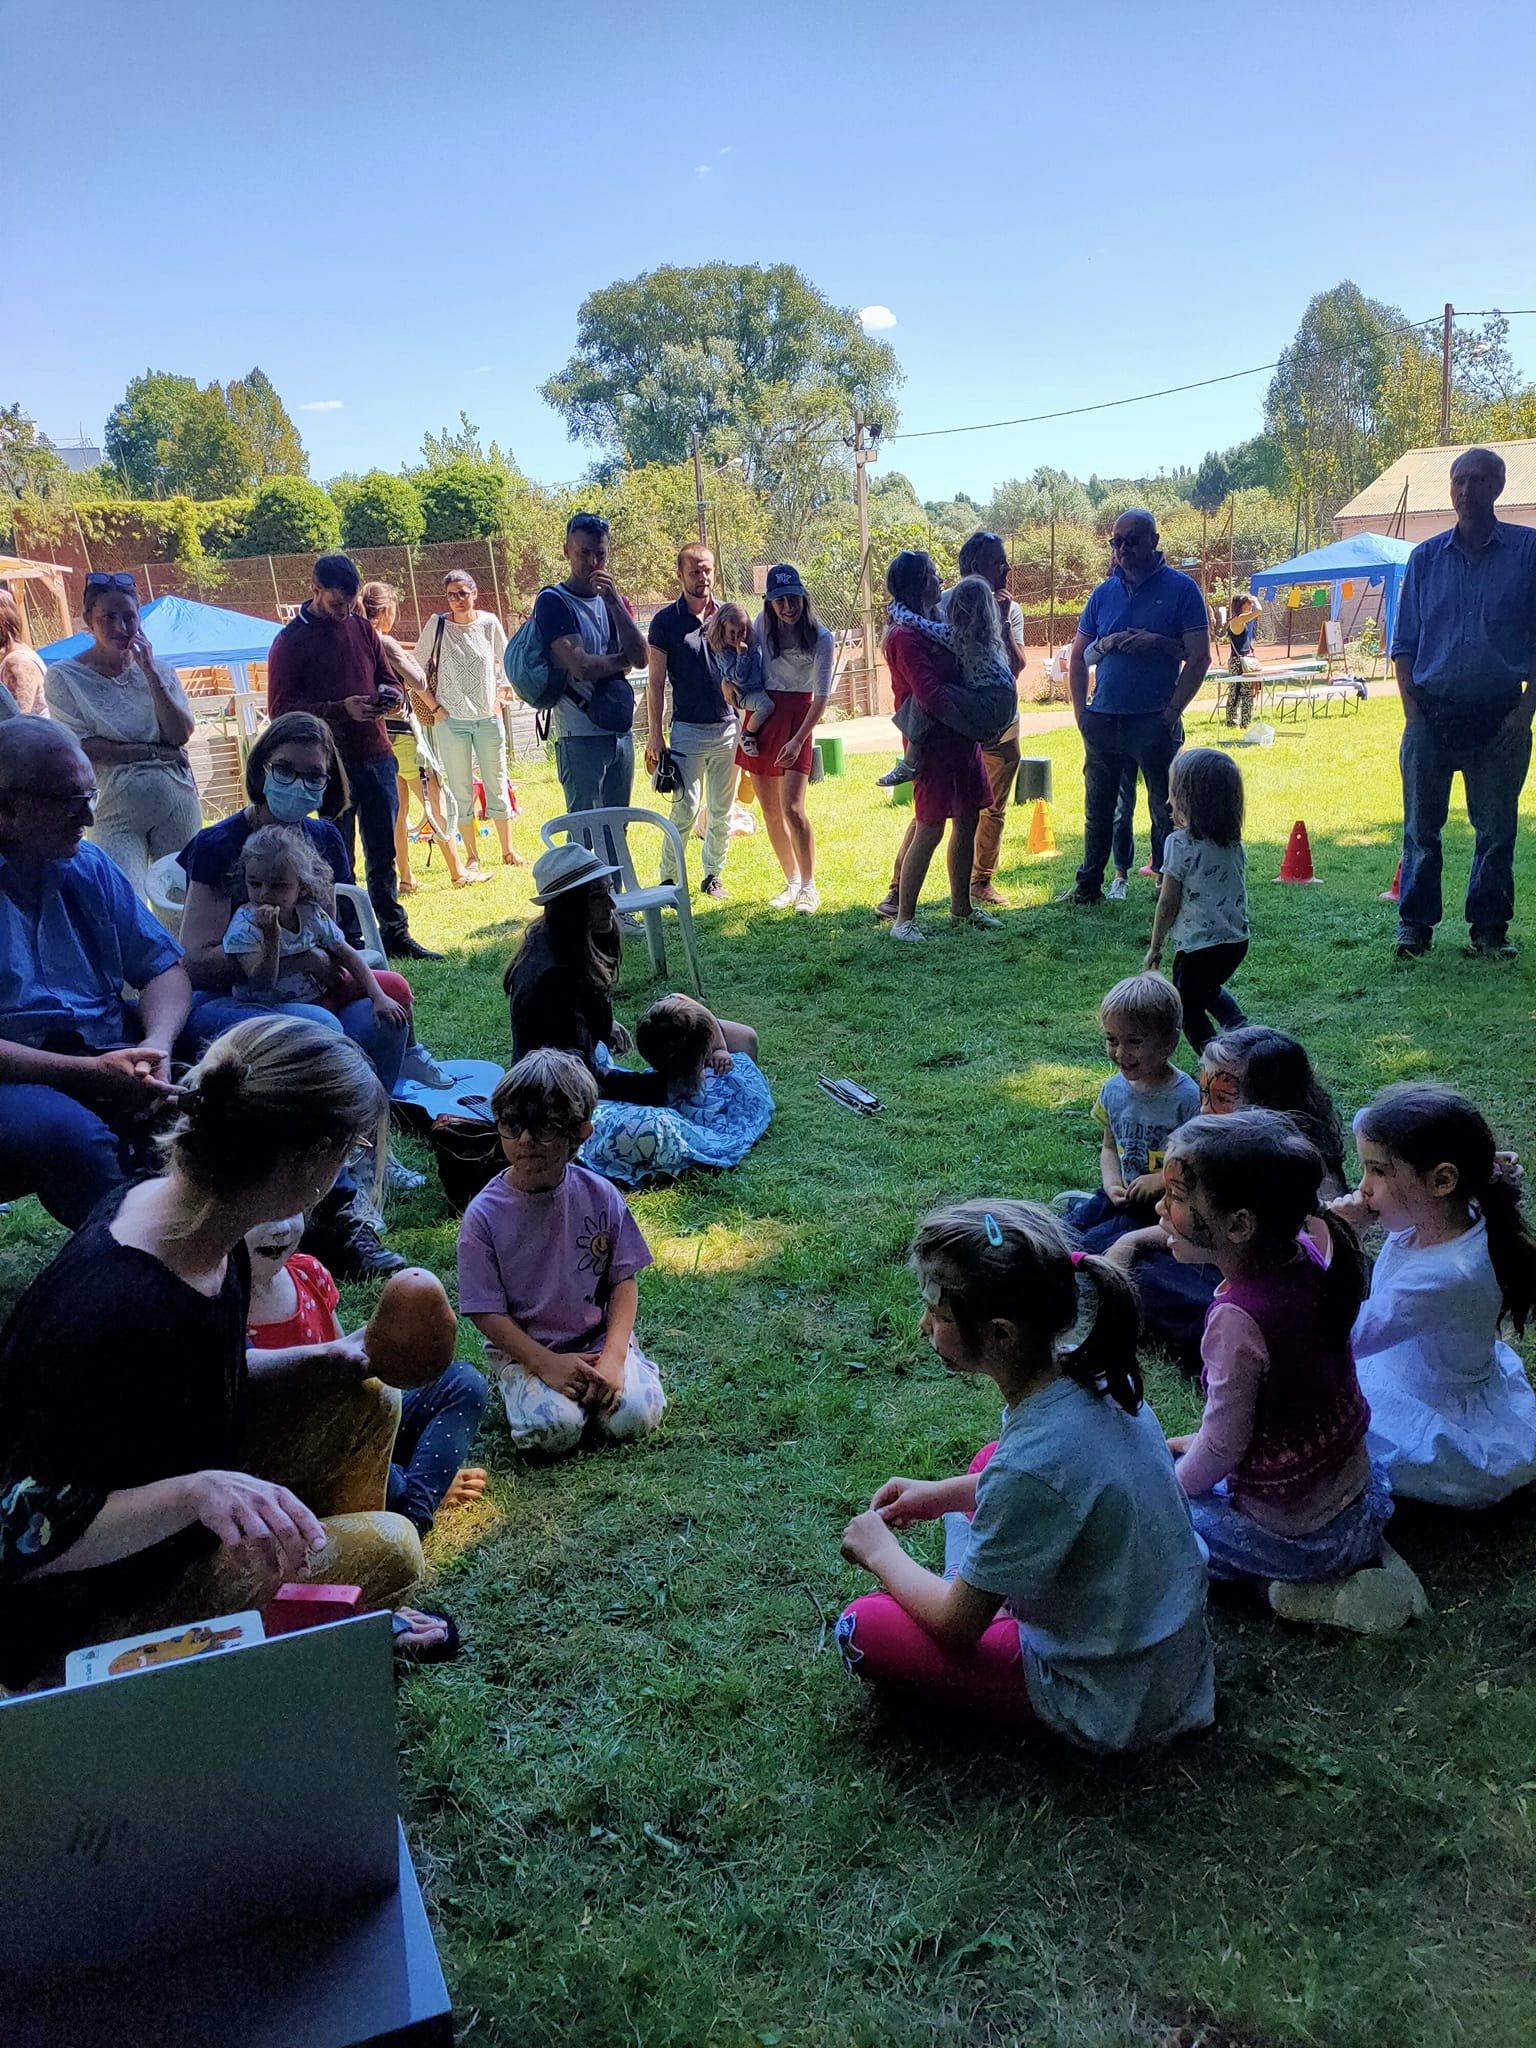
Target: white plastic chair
(606,832)
(167,888)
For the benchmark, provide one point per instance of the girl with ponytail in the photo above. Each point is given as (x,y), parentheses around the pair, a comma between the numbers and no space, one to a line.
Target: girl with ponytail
(1453,1417)
(1281,1486)
(1073,1596)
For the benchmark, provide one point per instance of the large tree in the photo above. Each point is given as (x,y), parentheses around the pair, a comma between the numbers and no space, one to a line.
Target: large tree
(206,455)
(166,435)
(270,435)
(677,352)
(140,426)
(28,466)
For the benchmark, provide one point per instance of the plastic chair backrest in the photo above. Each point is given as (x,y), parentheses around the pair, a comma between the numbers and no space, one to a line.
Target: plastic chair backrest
(367,921)
(606,831)
(166,888)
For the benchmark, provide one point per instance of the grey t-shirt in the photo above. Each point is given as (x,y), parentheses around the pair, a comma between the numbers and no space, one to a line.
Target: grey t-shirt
(1213,910)
(568,721)
(1082,1527)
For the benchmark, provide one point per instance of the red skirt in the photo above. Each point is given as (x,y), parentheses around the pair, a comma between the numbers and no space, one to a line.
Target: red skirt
(788,716)
(951,780)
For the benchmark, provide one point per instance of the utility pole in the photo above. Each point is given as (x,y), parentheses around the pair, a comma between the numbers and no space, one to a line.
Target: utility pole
(698,491)
(1445,376)
(863,454)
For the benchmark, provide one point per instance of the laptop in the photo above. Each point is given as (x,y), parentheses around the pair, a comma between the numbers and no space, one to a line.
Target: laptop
(179,1805)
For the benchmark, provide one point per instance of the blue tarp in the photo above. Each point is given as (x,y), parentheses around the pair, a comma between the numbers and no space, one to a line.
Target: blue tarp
(1358,558)
(189,635)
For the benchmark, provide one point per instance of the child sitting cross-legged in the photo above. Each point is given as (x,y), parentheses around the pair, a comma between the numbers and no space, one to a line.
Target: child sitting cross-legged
(1073,1597)
(548,1254)
(1138,1109)
(1282,1489)
(1453,1417)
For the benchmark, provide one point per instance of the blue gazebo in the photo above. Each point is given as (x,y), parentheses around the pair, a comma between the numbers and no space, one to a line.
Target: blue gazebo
(1368,558)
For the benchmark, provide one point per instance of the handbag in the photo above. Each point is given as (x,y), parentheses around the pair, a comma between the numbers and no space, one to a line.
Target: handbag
(668,779)
(468,1156)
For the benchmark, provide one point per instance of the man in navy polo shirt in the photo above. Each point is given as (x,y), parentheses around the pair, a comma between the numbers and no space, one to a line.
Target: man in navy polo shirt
(703,731)
(1154,646)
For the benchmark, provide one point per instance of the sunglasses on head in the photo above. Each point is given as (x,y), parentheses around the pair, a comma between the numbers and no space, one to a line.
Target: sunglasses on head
(111,579)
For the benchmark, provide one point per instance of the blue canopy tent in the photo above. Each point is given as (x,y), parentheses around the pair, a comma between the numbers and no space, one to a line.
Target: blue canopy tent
(1368,558)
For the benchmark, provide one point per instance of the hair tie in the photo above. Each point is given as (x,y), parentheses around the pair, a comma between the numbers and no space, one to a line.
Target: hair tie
(994,1229)
(1077,1258)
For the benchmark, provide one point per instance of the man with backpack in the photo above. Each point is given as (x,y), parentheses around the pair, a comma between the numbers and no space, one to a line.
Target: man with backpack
(588,637)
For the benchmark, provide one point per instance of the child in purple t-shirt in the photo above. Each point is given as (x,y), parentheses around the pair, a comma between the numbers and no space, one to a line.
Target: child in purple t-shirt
(548,1254)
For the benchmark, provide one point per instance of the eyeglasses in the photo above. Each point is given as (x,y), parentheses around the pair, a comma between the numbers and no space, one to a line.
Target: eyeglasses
(69,800)
(290,778)
(361,1154)
(542,1132)
(1119,541)
(111,579)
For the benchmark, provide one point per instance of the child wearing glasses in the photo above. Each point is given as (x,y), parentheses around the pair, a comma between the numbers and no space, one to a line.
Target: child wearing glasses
(548,1254)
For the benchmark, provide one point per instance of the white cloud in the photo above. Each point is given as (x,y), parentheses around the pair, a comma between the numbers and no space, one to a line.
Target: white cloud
(872,318)
(323,405)
(727,148)
(703,170)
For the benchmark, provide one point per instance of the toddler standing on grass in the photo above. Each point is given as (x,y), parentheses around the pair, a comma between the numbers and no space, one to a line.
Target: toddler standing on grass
(1453,1416)
(1138,1109)
(1283,1491)
(1202,905)
(1073,1596)
(548,1254)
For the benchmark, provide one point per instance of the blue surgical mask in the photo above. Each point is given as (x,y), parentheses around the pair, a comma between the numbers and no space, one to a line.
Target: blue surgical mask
(292,800)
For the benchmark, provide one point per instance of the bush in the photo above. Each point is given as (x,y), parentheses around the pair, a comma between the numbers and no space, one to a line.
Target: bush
(382,511)
(221,523)
(289,516)
(119,533)
(463,500)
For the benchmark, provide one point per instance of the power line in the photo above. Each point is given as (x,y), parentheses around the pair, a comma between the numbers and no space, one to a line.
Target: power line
(1169,390)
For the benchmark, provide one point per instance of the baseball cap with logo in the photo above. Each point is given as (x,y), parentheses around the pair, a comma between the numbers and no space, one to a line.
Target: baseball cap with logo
(783,581)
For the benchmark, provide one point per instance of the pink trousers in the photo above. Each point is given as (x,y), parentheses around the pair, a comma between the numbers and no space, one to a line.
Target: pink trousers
(884,1646)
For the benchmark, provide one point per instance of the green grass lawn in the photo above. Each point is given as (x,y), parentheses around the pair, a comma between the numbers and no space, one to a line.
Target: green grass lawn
(649,1806)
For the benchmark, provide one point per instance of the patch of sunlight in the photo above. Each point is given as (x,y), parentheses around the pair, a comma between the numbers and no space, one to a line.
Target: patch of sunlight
(1045,1085)
(1366,835)
(459,1530)
(1392,1056)
(743,1247)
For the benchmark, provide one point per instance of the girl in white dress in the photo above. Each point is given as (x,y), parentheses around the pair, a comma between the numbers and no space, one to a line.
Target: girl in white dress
(1453,1416)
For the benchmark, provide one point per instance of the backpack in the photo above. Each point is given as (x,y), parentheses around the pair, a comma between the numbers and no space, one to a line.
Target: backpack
(526,667)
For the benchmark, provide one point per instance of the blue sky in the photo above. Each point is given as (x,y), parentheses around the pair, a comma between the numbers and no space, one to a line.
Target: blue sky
(396,211)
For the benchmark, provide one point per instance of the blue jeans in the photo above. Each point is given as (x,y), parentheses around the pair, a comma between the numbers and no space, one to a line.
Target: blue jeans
(1493,776)
(437,1427)
(1124,837)
(1116,744)
(596,774)
(375,799)
(464,744)
(1238,1547)
(60,1150)
(383,1045)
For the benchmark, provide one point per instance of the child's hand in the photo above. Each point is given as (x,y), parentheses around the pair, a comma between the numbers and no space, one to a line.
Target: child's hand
(1179,1445)
(564,1372)
(388,1011)
(1353,1210)
(605,1383)
(264,917)
(867,1540)
(720,1061)
(900,1502)
(1153,960)
(349,1355)
(1146,1187)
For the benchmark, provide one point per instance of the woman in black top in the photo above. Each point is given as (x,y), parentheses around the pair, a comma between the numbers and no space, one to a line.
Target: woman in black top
(128,1406)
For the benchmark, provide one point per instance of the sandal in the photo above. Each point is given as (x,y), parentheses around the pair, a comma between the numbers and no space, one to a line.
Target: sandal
(410,1650)
(472,875)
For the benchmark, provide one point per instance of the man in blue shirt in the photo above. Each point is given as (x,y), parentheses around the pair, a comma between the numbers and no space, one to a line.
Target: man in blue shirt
(1154,645)
(81,1074)
(703,732)
(1464,648)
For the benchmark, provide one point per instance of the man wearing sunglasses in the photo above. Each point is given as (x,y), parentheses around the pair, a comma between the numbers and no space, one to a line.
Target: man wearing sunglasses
(82,1073)
(1154,642)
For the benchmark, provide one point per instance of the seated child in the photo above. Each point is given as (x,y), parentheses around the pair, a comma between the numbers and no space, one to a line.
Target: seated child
(548,1254)
(293,1301)
(1282,1489)
(972,630)
(1252,1067)
(278,935)
(1073,1599)
(679,1038)
(737,660)
(1138,1109)
(1453,1416)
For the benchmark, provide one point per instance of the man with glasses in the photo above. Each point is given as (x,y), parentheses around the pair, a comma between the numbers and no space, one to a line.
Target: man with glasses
(82,1072)
(590,635)
(329,661)
(1154,644)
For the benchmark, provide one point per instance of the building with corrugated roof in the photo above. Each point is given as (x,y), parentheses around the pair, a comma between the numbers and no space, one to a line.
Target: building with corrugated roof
(1380,507)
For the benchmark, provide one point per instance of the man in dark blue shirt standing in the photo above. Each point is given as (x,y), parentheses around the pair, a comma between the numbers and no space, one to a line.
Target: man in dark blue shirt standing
(1464,647)
(1154,648)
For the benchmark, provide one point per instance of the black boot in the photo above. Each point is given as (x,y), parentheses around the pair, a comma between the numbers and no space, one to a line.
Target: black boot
(345,1241)
(403,947)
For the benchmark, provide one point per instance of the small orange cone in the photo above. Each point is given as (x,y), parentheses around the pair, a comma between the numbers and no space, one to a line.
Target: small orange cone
(1041,838)
(1297,865)
(1395,893)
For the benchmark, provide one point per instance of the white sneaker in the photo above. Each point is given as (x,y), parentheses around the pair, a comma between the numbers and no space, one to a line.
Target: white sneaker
(808,898)
(906,928)
(1375,1602)
(983,919)
(1118,890)
(786,897)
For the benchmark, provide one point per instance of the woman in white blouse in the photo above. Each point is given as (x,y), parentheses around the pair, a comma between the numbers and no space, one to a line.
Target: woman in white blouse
(131,715)
(461,651)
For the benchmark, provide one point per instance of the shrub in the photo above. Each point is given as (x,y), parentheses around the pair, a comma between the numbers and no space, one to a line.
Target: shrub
(463,500)
(221,523)
(382,511)
(119,533)
(289,516)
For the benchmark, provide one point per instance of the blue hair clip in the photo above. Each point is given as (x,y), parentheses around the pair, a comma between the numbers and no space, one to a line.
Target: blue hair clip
(994,1229)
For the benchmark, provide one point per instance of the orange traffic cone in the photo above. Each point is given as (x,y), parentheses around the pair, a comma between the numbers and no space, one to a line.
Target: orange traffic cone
(1041,838)
(1297,865)
(1395,893)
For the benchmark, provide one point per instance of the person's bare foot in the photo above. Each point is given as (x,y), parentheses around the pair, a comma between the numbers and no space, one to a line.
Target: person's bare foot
(514,859)
(404,888)
(422,1638)
(466,1485)
(470,876)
